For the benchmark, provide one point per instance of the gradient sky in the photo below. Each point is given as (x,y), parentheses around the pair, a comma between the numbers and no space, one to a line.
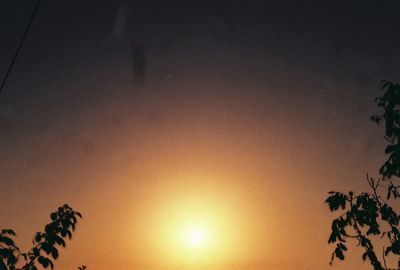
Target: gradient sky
(147,115)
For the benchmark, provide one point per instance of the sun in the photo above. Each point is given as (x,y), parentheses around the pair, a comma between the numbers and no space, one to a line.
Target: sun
(195,237)
(191,228)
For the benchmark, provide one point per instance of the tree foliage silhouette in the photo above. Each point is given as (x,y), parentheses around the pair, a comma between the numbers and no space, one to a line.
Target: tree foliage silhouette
(45,244)
(370,214)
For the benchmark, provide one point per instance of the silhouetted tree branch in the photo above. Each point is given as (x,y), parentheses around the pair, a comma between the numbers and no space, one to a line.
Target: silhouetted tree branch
(371,213)
(45,244)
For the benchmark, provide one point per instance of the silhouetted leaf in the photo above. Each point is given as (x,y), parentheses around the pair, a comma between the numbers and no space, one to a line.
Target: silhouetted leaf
(339,253)
(38,237)
(6,240)
(54,253)
(53,216)
(60,241)
(69,234)
(342,246)
(9,231)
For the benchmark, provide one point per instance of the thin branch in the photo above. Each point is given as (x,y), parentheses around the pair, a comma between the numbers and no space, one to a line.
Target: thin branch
(383,256)
(19,46)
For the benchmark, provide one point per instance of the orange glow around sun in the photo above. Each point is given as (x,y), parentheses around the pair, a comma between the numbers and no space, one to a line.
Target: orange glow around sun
(188,225)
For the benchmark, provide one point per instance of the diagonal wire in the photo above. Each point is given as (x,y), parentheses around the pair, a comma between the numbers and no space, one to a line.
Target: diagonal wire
(19,46)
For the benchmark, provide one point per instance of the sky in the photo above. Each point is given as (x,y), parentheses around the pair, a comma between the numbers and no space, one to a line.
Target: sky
(155,119)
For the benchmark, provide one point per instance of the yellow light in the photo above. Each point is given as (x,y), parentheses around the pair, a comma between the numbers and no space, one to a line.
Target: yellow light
(191,226)
(195,238)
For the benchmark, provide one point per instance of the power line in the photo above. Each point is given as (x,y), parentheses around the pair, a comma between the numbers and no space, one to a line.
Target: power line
(19,46)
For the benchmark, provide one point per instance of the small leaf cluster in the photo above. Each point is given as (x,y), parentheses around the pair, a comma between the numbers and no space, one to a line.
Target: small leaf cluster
(363,216)
(390,102)
(8,250)
(46,244)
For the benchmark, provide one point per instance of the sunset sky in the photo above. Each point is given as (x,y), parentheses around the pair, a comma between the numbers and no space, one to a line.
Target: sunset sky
(192,134)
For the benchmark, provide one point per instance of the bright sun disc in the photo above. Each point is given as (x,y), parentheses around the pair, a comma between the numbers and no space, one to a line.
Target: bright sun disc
(195,237)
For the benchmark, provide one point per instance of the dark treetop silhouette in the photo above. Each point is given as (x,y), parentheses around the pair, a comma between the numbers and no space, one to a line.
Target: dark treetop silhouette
(44,249)
(372,213)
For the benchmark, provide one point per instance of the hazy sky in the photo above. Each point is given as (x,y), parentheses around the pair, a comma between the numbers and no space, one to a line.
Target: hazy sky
(153,117)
